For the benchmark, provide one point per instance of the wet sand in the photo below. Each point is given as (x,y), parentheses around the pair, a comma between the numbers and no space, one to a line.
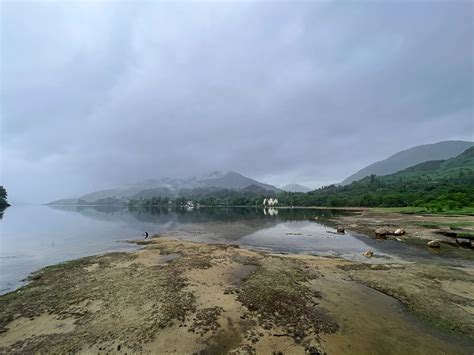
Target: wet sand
(183,297)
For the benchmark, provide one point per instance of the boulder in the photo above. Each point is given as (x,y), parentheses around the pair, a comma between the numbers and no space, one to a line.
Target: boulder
(434,244)
(341,230)
(464,242)
(380,232)
(399,231)
(368,254)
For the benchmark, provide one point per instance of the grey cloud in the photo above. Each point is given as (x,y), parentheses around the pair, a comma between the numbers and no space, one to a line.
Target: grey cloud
(98,94)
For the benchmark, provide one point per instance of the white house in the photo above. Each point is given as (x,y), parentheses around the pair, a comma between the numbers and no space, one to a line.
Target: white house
(270,202)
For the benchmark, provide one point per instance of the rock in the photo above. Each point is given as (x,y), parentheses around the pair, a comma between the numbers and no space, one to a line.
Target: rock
(368,254)
(380,232)
(399,231)
(389,232)
(340,230)
(464,242)
(434,244)
(399,240)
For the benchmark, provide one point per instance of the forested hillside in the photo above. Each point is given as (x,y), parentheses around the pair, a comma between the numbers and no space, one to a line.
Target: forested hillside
(436,185)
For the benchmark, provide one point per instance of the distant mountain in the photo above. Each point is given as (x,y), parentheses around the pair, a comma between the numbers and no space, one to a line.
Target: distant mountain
(458,166)
(235,181)
(438,185)
(64,202)
(295,188)
(173,187)
(406,158)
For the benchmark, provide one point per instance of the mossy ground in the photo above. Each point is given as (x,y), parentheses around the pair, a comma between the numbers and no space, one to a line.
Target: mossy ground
(122,302)
(183,297)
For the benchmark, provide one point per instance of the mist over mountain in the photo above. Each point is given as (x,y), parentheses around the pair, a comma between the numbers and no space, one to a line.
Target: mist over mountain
(295,188)
(406,158)
(174,187)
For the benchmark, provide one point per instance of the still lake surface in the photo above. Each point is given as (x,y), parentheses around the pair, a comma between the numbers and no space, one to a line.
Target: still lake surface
(32,237)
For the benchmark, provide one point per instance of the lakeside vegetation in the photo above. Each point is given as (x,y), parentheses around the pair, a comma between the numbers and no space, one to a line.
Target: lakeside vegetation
(3,198)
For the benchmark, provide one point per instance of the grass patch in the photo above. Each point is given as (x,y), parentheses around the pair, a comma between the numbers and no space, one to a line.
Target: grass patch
(452,225)
(466,211)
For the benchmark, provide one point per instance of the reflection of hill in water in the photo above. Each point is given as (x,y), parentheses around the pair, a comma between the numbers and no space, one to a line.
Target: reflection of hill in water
(198,215)
(228,223)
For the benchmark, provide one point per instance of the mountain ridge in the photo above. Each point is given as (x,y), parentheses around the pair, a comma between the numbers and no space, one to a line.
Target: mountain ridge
(409,157)
(171,187)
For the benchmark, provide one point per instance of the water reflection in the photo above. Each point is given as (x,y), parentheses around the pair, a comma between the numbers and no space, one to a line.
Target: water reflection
(35,236)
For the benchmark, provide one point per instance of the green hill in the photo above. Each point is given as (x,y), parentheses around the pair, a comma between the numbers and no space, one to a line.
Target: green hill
(438,185)
(410,157)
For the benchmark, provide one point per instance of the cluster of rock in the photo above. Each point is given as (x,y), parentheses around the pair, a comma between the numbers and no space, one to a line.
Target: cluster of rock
(462,242)
(458,237)
(382,232)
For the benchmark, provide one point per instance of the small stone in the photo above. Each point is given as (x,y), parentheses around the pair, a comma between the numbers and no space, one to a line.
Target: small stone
(368,254)
(340,230)
(380,232)
(464,242)
(434,244)
(399,231)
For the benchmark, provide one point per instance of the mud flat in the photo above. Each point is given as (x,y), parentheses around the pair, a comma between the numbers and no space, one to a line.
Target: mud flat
(189,298)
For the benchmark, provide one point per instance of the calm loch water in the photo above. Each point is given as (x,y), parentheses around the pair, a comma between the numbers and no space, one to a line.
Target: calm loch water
(32,237)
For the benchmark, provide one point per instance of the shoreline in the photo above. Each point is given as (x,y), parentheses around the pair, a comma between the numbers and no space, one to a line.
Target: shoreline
(190,297)
(218,298)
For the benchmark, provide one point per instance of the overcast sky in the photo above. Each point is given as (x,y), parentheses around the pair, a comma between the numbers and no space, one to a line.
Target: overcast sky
(97,94)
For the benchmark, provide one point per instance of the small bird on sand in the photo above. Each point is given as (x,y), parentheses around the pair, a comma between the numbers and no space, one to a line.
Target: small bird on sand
(145,234)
